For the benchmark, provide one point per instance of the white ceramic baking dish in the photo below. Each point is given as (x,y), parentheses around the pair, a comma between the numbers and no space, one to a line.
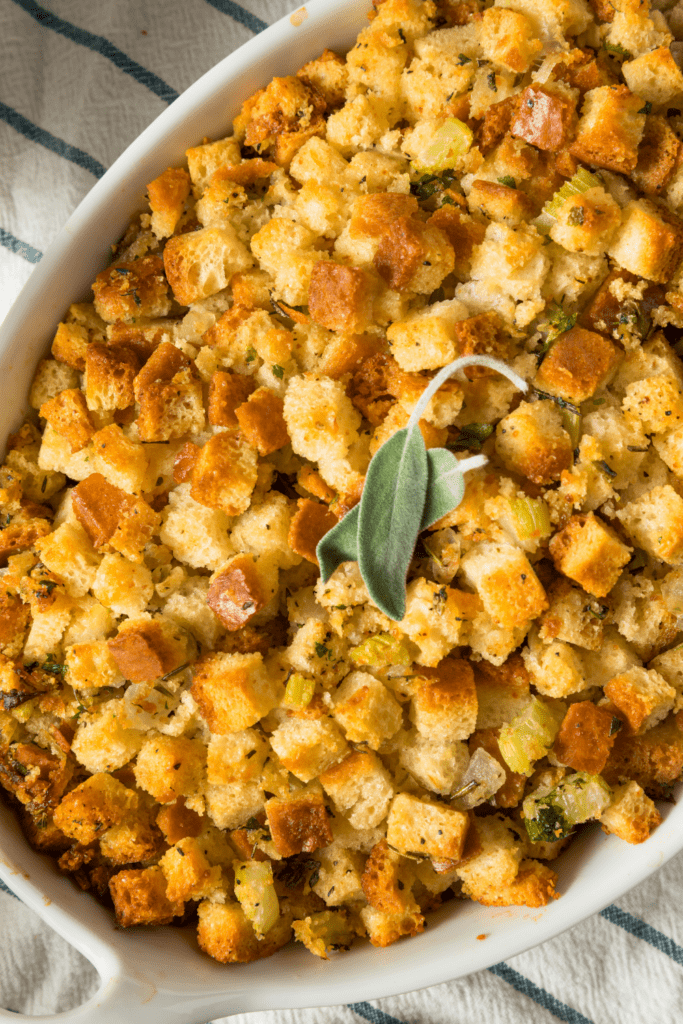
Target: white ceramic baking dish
(158,976)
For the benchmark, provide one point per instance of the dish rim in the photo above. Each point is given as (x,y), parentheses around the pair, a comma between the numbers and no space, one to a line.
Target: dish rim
(81,246)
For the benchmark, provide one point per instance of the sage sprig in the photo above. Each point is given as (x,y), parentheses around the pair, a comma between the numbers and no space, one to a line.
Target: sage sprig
(407,489)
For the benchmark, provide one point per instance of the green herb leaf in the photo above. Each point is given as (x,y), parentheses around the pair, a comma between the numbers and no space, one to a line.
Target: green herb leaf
(340,544)
(508,180)
(446,483)
(278,371)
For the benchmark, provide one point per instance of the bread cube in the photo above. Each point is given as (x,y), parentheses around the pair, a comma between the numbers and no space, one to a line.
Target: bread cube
(463,233)
(317,651)
(261,421)
(168,767)
(234,691)
(577,365)
(495,864)
(299,823)
(657,157)
(631,815)
(187,606)
(642,695)
(328,75)
(657,402)
(506,584)
(68,552)
(69,346)
(263,530)
(649,242)
(412,256)
(201,263)
(338,879)
(96,804)
(227,391)
(585,738)
(501,691)
(51,377)
(508,39)
(654,75)
(445,707)
(167,195)
(285,251)
(590,553)
(437,618)
(141,336)
(226,935)
(169,391)
(586,222)
(203,161)
(139,896)
(90,621)
(655,523)
(101,742)
(241,588)
(545,117)
(437,765)
(321,420)
(113,518)
(309,525)
(610,129)
(146,649)
(177,821)
(133,840)
(500,202)
(131,289)
(670,667)
(426,828)
(425,340)
(109,377)
(188,872)
(386,881)
(91,666)
(123,586)
(385,929)
(237,757)
(121,461)
(231,805)
(340,297)
(360,787)
(366,710)
(197,535)
(224,475)
(572,617)
(67,413)
(308,747)
(533,442)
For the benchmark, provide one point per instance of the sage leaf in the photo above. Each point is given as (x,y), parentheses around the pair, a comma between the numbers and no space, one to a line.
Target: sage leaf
(340,544)
(390,518)
(446,483)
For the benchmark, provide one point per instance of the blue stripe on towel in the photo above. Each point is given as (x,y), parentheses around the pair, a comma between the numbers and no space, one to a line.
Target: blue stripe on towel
(23,249)
(44,138)
(643,931)
(539,995)
(245,18)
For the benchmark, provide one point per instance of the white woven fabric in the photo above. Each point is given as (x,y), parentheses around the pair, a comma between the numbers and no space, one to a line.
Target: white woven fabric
(75,89)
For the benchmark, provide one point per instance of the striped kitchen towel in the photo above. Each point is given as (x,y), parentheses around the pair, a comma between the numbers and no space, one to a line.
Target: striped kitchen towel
(78,82)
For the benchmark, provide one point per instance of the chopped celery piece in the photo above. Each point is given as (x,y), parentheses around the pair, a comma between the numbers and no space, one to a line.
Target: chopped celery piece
(299,691)
(577,798)
(451,141)
(530,734)
(380,651)
(255,891)
(533,517)
(571,421)
(582,181)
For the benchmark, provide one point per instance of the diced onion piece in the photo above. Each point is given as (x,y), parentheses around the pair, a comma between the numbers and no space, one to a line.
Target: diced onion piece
(451,141)
(487,776)
(582,181)
(255,891)
(299,691)
(530,734)
(533,517)
(380,651)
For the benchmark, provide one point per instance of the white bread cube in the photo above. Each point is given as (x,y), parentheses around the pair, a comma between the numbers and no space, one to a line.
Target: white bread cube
(123,586)
(437,619)
(649,242)
(120,460)
(437,765)
(360,123)
(496,865)
(670,666)
(232,805)
(631,815)
(532,441)
(321,420)
(201,263)
(263,530)
(101,743)
(187,606)
(46,631)
(68,552)
(654,75)
(50,378)
(203,161)
(285,251)
(197,535)
(636,28)
(360,787)
(339,877)
(91,666)
(553,19)
(556,668)
(366,710)
(317,651)
(425,340)
(509,39)
(642,695)
(445,705)
(308,746)
(506,584)
(426,828)
(89,621)
(655,523)
(657,402)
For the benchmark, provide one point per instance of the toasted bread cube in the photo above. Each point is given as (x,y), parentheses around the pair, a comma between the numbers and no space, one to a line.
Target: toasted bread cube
(658,157)
(426,340)
(177,821)
(167,195)
(426,828)
(70,345)
(445,708)
(590,553)
(264,530)
(585,738)
(128,290)
(339,876)
(500,202)
(340,297)
(139,896)
(237,757)
(655,76)
(169,391)
(234,691)
(506,584)
(51,377)
(653,759)
(385,929)
(169,767)
(285,251)
(14,620)
(133,840)
(224,475)
(572,617)
(328,74)
(360,787)
(649,242)
(188,872)
(121,462)
(496,863)
(325,932)
(437,765)
(102,743)
(642,695)
(146,649)
(655,522)
(141,337)
(109,376)
(299,823)
(578,363)
(657,402)
(309,525)
(386,881)
(112,517)
(509,39)
(316,650)
(533,886)
(197,535)
(227,391)
(321,420)
(225,934)
(631,814)
(532,441)
(366,710)
(123,586)
(413,256)
(201,263)
(68,552)
(67,413)
(240,590)
(262,422)
(670,666)
(610,129)
(463,233)
(501,691)
(203,161)
(98,803)
(556,668)
(545,117)
(91,666)
(231,805)
(437,618)
(308,747)
(586,222)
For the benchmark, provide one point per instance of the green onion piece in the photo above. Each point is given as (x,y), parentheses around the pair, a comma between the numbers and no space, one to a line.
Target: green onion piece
(450,142)
(530,734)
(380,651)
(255,891)
(299,691)
(533,517)
(582,181)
